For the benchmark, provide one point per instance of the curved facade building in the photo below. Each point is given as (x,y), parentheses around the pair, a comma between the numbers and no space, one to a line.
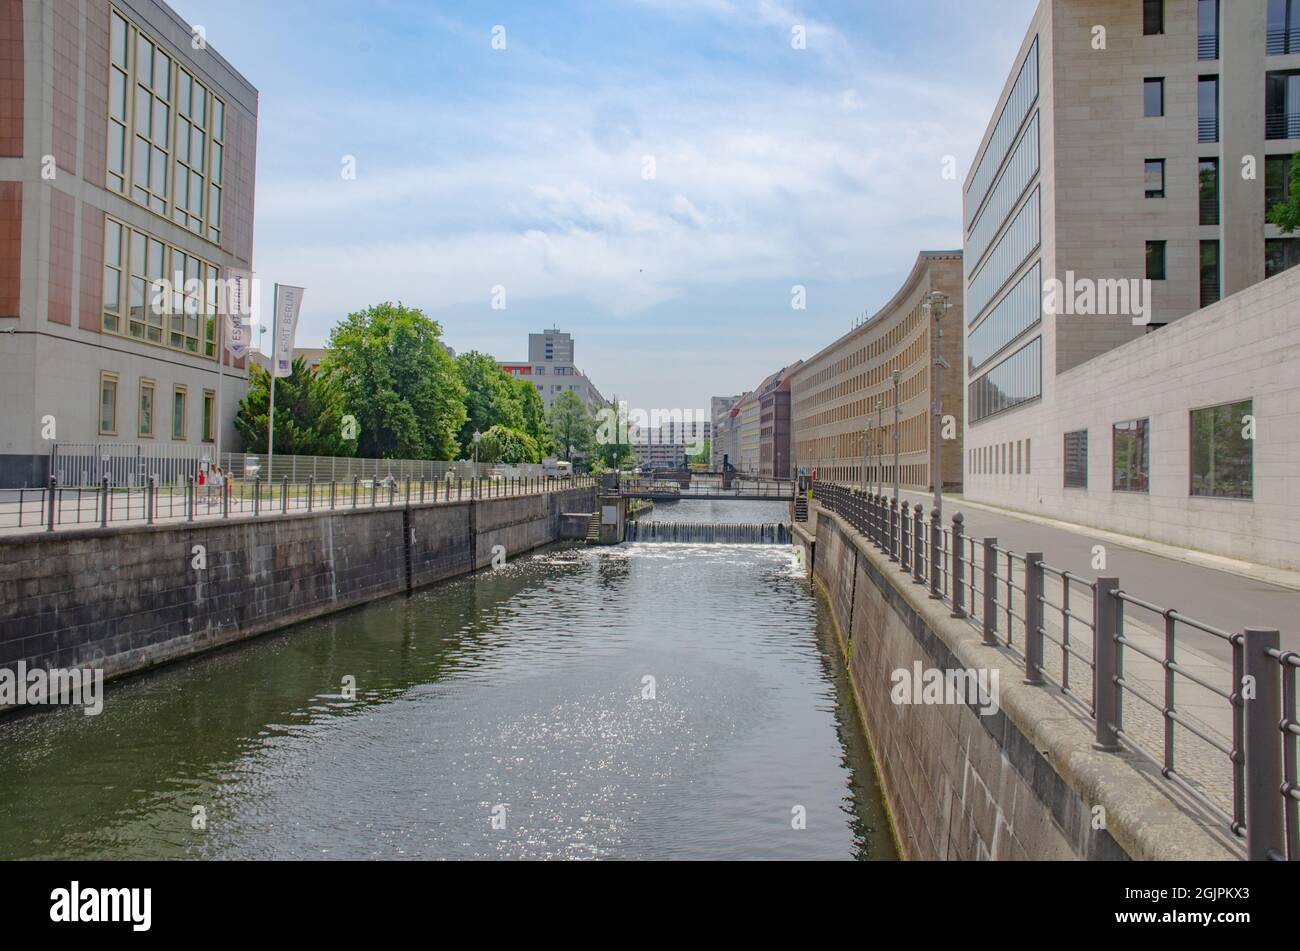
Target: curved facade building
(842,399)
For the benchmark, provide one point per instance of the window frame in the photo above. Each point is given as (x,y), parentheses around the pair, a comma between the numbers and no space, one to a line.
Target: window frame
(1146,168)
(1163,246)
(107,376)
(183,391)
(152,387)
(1147,17)
(1147,82)
(208,428)
(1066,455)
(1141,426)
(1191,452)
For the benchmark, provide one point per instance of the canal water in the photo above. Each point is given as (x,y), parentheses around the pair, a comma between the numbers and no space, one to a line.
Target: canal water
(637,702)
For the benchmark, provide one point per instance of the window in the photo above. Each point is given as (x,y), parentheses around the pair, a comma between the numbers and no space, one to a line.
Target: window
(1076,459)
(1207,29)
(1131,455)
(1020,457)
(1277,180)
(1222,463)
(1154,97)
(108,404)
(1209,191)
(1282,105)
(1283,27)
(209,416)
(1028,447)
(1153,17)
(1016,380)
(165,133)
(1280,254)
(1209,273)
(1155,178)
(146,408)
(1156,260)
(178,412)
(1207,105)
(135,264)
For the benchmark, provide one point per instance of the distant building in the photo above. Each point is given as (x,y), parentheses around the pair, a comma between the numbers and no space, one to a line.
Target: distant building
(748,435)
(774,457)
(720,411)
(552,370)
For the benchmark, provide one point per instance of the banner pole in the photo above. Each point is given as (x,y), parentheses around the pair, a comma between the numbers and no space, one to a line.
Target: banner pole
(221,379)
(270,427)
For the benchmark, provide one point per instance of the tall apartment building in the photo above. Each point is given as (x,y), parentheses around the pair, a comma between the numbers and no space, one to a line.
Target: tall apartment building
(843,398)
(1134,140)
(552,370)
(126,157)
(774,457)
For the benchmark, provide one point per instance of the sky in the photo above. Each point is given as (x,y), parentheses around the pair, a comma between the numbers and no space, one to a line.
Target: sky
(653,176)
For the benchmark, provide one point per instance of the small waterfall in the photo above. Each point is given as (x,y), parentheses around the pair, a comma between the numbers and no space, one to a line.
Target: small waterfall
(696,533)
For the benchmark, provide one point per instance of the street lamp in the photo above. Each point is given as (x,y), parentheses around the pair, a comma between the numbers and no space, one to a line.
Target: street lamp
(936,303)
(880,447)
(478,436)
(896,375)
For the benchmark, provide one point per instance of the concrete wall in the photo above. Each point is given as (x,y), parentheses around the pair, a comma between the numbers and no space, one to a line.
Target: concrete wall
(1020,784)
(127,599)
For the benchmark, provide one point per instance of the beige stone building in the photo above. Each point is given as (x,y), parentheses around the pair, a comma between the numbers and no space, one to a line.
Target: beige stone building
(842,400)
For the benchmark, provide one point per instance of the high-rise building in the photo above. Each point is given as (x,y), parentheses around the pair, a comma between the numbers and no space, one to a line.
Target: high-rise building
(127,157)
(552,370)
(774,458)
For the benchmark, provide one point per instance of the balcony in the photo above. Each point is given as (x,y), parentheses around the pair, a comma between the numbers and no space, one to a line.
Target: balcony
(1282,125)
(1208,129)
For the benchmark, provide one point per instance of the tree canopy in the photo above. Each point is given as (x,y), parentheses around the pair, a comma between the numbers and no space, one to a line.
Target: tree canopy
(308,413)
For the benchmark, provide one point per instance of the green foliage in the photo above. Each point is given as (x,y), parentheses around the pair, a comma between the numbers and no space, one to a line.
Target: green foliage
(400,383)
(613,439)
(534,411)
(571,426)
(1286,214)
(702,457)
(491,398)
(509,446)
(308,413)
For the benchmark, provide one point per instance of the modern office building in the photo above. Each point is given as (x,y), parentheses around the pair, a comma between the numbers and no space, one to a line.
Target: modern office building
(126,157)
(719,412)
(843,399)
(774,458)
(552,370)
(1121,186)
(748,427)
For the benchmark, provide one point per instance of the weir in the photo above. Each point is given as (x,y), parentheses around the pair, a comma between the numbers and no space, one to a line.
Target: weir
(701,533)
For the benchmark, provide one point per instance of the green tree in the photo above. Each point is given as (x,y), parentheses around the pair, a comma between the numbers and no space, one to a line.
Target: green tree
(397,379)
(491,398)
(571,426)
(613,439)
(702,457)
(509,446)
(308,413)
(534,410)
(1286,214)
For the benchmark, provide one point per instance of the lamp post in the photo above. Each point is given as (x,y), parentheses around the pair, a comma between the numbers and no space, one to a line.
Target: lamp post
(936,303)
(880,447)
(896,375)
(478,436)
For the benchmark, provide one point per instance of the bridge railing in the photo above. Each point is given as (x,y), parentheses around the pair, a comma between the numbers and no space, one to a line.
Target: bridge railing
(1121,662)
(55,507)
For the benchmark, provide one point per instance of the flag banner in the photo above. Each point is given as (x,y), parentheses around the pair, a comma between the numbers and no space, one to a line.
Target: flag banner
(288,305)
(237,305)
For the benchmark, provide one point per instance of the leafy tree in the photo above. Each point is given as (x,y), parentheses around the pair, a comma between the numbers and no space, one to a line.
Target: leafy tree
(1286,214)
(702,457)
(613,439)
(491,398)
(534,410)
(397,379)
(571,425)
(308,413)
(509,446)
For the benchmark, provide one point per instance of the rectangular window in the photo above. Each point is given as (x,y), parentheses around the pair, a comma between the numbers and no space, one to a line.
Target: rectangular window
(1282,105)
(1155,178)
(209,416)
(1028,447)
(1153,17)
(1020,456)
(1207,29)
(1277,180)
(1153,91)
(1016,380)
(178,412)
(108,404)
(146,408)
(1207,106)
(1209,273)
(1131,455)
(1283,27)
(1223,461)
(1209,191)
(1076,459)
(1280,254)
(1156,260)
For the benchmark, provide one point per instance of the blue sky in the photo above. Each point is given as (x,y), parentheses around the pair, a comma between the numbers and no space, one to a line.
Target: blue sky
(523,167)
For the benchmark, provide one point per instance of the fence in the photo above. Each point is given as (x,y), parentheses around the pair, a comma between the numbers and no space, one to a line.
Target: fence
(54,507)
(1086,639)
(134,464)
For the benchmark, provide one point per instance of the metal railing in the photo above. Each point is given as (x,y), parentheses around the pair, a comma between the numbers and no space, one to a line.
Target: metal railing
(57,506)
(1282,125)
(1283,41)
(1207,46)
(1085,638)
(1207,129)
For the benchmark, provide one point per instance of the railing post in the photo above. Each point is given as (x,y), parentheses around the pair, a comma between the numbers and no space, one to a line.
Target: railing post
(311,493)
(918,545)
(958,567)
(374,491)
(904,525)
(893,529)
(1034,619)
(333,496)
(150,499)
(1265,827)
(936,556)
(990,616)
(284,495)
(53,500)
(103,502)
(1106,608)
(356,481)
(225,498)
(257,496)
